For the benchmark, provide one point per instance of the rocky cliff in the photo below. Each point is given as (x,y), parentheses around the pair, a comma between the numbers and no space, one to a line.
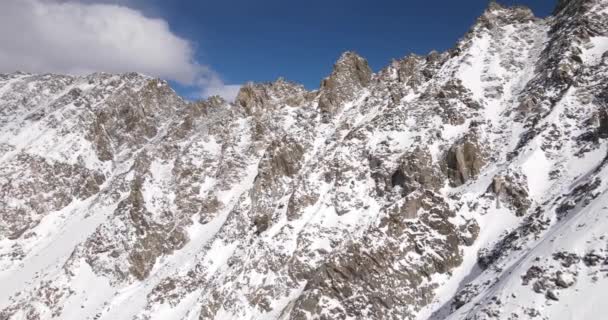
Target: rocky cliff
(468,184)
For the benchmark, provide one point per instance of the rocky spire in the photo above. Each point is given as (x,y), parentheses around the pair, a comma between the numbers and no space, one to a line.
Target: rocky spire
(493,5)
(251,97)
(351,73)
(256,97)
(497,15)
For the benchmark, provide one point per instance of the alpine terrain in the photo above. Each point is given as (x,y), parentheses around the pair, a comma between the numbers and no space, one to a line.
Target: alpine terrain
(467,184)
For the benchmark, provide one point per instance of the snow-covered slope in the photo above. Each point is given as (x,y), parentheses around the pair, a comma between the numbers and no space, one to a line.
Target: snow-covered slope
(468,184)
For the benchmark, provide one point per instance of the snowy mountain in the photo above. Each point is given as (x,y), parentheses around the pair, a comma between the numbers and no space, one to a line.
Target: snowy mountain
(468,184)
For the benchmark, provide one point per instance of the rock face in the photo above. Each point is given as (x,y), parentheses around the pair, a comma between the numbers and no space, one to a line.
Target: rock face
(464,161)
(468,184)
(351,73)
(511,189)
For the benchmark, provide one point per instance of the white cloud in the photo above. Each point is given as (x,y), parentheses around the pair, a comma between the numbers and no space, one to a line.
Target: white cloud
(77,38)
(213,86)
(226,91)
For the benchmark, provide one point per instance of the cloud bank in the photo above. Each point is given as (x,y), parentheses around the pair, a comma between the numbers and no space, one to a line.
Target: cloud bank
(42,36)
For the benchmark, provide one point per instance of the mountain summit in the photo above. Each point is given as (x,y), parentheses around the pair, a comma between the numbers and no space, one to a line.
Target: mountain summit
(468,184)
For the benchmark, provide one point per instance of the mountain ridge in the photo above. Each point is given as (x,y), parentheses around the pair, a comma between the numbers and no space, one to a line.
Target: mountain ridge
(467,184)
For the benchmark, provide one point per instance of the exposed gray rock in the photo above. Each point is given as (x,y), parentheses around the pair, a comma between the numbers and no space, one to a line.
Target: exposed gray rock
(464,161)
(511,190)
(350,74)
(358,200)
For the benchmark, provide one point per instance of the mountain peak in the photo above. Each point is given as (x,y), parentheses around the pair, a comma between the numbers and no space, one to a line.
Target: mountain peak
(494,6)
(496,15)
(349,67)
(257,97)
(349,57)
(350,74)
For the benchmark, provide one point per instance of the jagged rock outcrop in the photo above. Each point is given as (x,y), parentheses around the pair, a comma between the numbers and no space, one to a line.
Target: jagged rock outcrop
(464,161)
(262,98)
(511,189)
(496,15)
(416,172)
(37,187)
(467,184)
(351,73)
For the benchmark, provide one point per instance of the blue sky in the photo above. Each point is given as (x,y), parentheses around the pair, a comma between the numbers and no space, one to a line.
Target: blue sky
(262,40)
(211,47)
